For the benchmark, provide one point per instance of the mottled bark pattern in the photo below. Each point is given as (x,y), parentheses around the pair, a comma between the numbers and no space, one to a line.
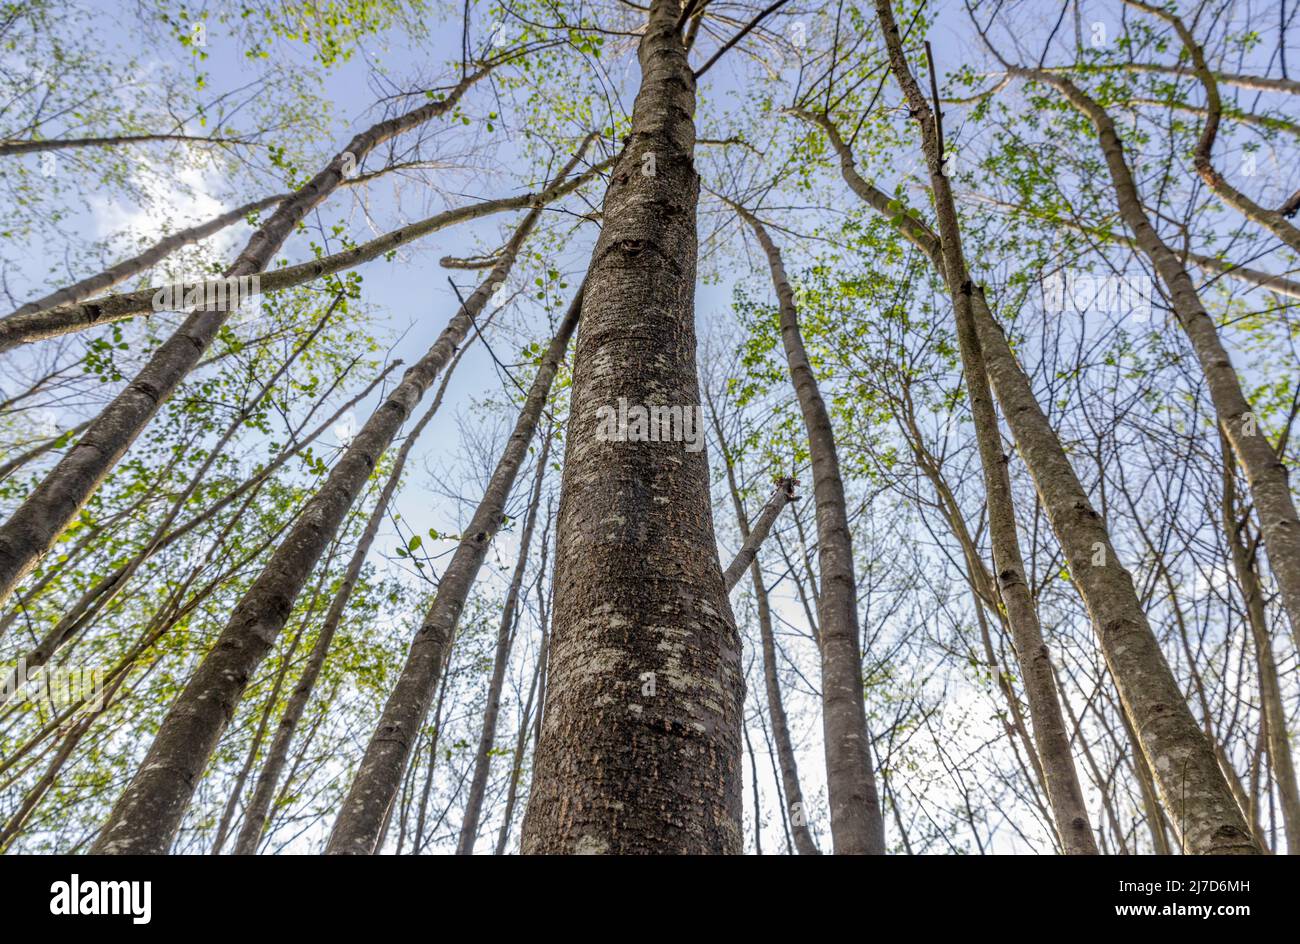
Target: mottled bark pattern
(268,780)
(640,748)
(1265,471)
(1069,811)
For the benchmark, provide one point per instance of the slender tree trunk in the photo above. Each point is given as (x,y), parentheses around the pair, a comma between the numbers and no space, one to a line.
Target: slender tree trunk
(364,809)
(268,780)
(517,763)
(752,540)
(268,709)
(1050,735)
(501,658)
(9,148)
(148,813)
(640,748)
(99,595)
(1265,471)
(33,528)
(54,322)
(1272,707)
(857,827)
(1150,802)
(120,272)
(797,817)
(52,640)
(1192,787)
(794,802)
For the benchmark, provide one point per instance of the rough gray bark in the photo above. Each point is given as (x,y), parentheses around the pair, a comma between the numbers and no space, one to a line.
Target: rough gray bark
(1069,812)
(857,826)
(505,639)
(148,813)
(1266,473)
(640,747)
(1149,691)
(358,829)
(37,523)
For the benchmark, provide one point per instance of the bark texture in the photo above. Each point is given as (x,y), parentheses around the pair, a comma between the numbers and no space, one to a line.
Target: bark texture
(277,756)
(796,812)
(1266,473)
(359,827)
(752,538)
(640,747)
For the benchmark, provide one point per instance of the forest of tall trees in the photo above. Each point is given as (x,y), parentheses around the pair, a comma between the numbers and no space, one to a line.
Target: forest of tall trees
(649,426)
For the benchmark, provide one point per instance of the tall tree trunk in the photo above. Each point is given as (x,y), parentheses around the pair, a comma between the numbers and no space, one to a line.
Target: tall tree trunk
(789,767)
(54,638)
(1050,735)
(33,528)
(501,658)
(364,809)
(268,780)
(857,826)
(1265,471)
(148,813)
(96,597)
(640,748)
(1272,707)
(1170,737)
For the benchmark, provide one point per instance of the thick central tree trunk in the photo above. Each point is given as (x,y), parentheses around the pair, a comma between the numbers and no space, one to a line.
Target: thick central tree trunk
(640,748)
